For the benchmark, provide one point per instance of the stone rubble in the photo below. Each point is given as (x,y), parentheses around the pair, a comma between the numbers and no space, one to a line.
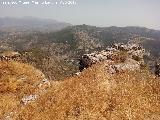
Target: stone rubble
(135,53)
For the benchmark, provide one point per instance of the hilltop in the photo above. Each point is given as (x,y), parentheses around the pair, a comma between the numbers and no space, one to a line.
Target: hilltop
(17,80)
(98,92)
(97,95)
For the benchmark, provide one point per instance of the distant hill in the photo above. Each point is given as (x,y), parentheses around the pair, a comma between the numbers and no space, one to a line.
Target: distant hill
(31,24)
(90,38)
(57,52)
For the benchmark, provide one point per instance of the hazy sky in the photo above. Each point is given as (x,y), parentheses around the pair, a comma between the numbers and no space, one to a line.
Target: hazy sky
(93,12)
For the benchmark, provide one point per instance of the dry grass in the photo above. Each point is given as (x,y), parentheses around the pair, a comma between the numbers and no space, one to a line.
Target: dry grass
(96,95)
(16,80)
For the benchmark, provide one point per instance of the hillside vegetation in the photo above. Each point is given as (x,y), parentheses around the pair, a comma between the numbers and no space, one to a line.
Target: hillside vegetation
(96,93)
(16,81)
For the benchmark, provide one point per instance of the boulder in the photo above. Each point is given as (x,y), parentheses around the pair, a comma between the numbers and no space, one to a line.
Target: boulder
(128,65)
(28,99)
(84,62)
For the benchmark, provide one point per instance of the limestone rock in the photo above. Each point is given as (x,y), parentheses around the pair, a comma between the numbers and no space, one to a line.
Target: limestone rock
(135,54)
(128,65)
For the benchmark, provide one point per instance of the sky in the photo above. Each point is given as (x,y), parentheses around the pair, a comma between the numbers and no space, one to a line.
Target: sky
(103,13)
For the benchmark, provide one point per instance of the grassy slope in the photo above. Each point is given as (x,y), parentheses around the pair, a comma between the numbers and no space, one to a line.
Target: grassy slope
(16,80)
(96,95)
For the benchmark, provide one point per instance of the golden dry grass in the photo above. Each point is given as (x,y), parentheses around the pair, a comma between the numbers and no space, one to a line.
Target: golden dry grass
(96,95)
(9,53)
(16,80)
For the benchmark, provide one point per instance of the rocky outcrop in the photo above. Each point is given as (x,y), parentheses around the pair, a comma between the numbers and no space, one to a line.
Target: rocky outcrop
(130,57)
(129,64)
(10,55)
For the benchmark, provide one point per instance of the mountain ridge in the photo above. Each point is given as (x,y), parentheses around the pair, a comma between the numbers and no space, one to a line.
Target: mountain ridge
(31,24)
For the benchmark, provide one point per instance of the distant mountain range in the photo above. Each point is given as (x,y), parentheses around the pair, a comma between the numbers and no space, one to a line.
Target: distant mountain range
(30,24)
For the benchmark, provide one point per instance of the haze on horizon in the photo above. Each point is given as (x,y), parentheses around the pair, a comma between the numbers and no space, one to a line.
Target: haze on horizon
(102,13)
